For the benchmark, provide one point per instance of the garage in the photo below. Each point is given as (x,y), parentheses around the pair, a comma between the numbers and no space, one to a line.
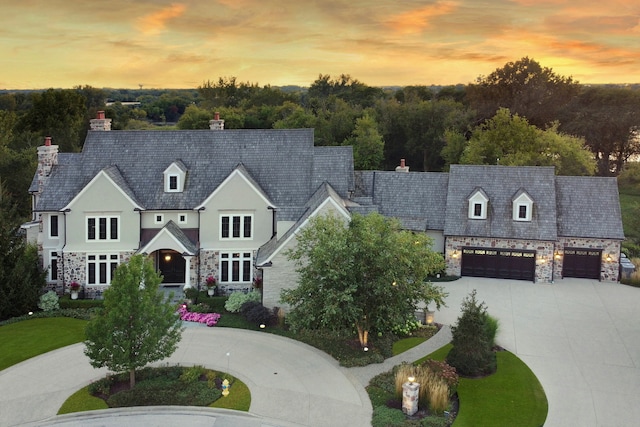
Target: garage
(582,263)
(499,263)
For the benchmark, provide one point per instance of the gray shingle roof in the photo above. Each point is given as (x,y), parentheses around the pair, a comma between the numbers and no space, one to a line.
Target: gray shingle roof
(501,184)
(417,199)
(588,207)
(283,162)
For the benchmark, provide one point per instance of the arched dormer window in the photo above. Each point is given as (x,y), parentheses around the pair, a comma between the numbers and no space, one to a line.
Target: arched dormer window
(174,177)
(522,206)
(478,203)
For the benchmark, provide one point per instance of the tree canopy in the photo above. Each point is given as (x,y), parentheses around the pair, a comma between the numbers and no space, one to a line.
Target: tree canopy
(367,272)
(136,326)
(510,140)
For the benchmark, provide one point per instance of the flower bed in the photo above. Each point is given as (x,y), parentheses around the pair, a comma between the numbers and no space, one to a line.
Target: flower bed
(210,319)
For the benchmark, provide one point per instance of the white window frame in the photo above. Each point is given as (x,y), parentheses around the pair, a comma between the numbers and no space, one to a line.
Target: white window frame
(53,256)
(50,226)
(226,267)
(242,234)
(523,200)
(478,199)
(158,218)
(108,228)
(168,188)
(182,218)
(111,261)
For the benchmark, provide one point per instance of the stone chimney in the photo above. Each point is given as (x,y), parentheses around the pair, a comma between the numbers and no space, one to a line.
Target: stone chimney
(47,159)
(402,167)
(100,123)
(217,123)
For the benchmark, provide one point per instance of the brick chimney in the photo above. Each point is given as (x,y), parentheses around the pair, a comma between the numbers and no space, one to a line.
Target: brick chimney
(217,123)
(47,159)
(100,123)
(403,167)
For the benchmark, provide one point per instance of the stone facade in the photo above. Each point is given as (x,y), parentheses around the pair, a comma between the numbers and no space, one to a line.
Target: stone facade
(549,255)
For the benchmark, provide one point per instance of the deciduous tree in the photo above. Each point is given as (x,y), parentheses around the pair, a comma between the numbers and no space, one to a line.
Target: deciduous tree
(367,272)
(136,326)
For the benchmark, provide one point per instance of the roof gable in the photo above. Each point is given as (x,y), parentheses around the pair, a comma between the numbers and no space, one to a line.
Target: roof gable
(239,173)
(170,237)
(113,176)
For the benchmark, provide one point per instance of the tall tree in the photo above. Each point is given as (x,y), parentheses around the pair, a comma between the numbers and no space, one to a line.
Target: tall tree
(609,120)
(368,145)
(21,280)
(368,273)
(510,140)
(525,88)
(136,326)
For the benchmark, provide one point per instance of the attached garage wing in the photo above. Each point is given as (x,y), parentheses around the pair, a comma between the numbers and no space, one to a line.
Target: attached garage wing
(499,263)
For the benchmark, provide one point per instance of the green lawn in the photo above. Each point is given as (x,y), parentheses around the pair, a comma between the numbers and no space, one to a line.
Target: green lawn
(512,396)
(23,340)
(629,204)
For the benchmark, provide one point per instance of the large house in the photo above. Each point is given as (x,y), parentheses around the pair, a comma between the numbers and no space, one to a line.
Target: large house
(228,203)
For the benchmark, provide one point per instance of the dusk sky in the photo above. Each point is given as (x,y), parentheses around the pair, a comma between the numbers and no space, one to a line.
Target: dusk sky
(181,44)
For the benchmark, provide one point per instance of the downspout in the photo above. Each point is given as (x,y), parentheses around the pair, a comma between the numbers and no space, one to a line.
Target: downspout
(274,224)
(139,227)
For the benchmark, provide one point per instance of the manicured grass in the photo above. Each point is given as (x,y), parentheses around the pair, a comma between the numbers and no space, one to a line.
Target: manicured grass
(239,398)
(405,344)
(512,396)
(81,401)
(629,204)
(23,340)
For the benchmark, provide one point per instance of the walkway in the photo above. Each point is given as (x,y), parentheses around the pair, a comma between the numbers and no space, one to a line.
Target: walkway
(581,338)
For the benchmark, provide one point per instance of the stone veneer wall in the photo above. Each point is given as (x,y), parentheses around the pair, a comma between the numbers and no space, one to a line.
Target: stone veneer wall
(209,265)
(609,270)
(544,253)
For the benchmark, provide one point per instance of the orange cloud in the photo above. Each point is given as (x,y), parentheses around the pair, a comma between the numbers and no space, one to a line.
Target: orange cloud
(155,22)
(416,20)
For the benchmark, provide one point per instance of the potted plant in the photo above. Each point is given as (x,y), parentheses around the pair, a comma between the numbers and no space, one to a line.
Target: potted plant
(74,287)
(211,285)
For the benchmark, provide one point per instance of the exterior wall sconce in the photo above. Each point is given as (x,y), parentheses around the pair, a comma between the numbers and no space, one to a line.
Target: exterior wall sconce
(608,258)
(454,254)
(557,255)
(167,257)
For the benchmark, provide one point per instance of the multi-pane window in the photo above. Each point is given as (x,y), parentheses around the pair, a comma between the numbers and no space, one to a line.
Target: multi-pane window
(100,268)
(53,226)
(522,212)
(236,226)
(173,182)
(102,228)
(53,270)
(235,267)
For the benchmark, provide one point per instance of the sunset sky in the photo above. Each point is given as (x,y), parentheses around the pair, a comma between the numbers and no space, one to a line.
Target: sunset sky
(180,44)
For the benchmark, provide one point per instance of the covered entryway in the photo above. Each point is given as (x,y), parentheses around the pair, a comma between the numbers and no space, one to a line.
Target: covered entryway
(171,265)
(582,263)
(499,263)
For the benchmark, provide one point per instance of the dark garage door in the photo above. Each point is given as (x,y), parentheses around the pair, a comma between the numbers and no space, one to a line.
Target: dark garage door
(499,263)
(583,263)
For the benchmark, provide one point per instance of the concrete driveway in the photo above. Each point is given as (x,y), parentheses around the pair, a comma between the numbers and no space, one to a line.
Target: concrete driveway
(580,337)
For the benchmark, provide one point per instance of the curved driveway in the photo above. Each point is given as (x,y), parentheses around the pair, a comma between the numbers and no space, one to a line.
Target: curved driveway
(580,337)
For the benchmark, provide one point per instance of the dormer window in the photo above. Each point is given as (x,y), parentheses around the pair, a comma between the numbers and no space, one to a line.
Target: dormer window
(478,205)
(522,206)
(174,177)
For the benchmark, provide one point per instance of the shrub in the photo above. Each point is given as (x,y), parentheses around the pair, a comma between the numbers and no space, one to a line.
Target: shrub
(445,372)
(491,325)
(256,313)
(236,300)
(410,326)
(387,417)
(471,354)
(49,301)
(192,374)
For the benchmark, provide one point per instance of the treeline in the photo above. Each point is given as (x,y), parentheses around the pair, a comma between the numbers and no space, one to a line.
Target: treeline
(522,113)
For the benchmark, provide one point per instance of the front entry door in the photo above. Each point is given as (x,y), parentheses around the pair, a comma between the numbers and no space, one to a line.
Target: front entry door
(171,265)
